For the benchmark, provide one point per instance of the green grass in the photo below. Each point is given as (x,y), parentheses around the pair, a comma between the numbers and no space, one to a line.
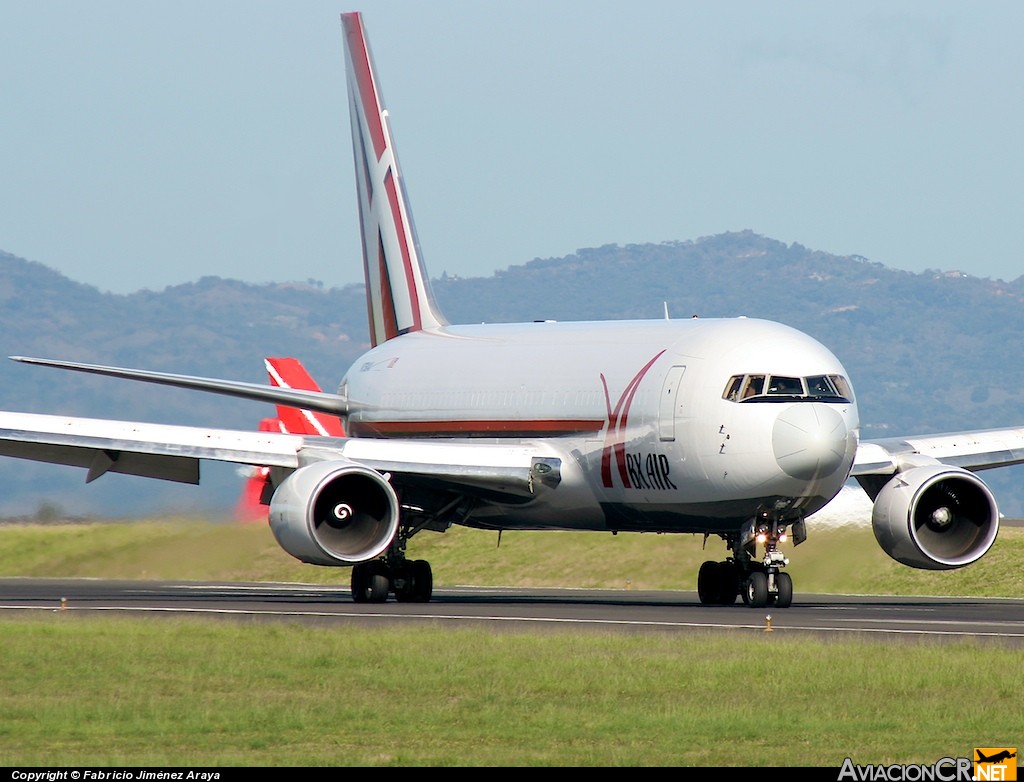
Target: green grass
(82,690)
(845,560)
(78,691)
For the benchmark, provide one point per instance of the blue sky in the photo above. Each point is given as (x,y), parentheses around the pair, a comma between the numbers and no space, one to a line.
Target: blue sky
(147,144)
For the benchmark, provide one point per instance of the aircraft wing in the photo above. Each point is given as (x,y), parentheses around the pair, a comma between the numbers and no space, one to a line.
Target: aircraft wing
(150,450)
(174,452)
(975,450)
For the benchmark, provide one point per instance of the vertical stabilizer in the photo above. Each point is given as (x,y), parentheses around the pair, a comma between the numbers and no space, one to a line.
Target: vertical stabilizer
(253,502)
(290,373)
(283,373)
(397,287)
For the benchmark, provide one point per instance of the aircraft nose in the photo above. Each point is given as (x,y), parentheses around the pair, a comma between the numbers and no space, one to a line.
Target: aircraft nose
(809,440)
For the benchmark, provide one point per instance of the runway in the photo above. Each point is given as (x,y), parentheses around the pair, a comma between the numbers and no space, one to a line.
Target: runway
(904,618)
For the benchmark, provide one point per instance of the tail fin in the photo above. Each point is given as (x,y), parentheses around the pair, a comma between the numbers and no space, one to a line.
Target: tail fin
(289,373)
(253,503)
(284,373)
(398,292)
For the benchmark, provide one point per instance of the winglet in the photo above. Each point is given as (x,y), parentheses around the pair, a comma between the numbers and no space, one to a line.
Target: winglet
(398,292)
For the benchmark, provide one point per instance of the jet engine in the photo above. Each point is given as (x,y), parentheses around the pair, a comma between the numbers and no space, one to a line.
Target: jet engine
(935,517)
(334,513)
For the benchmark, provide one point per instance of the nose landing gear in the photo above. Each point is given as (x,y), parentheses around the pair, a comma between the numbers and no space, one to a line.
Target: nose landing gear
(759,582)
(764,588)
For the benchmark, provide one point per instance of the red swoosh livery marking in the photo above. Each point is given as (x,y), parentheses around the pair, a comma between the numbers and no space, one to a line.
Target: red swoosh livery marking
(614,442)
(364,78)
(410,277)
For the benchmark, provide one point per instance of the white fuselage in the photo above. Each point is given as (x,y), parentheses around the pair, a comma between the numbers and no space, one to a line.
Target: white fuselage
(636,412)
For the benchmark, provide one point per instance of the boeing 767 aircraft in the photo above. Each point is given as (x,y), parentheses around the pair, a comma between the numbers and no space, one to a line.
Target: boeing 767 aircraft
(732,428)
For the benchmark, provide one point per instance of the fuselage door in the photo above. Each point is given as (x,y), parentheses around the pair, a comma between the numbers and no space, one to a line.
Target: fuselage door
(669,404)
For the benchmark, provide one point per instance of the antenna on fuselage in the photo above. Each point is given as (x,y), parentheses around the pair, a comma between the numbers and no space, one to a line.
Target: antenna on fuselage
(666,310)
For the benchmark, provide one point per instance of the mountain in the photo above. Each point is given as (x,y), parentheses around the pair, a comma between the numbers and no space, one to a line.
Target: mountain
(935,351)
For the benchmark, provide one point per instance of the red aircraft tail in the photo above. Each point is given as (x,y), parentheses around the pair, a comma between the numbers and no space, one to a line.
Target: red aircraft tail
(284,373)
(289,373)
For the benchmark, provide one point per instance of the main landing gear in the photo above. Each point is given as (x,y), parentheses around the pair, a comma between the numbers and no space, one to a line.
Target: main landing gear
(760,583)
(411,580)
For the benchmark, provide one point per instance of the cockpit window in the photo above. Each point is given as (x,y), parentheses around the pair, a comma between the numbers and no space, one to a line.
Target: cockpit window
(782,388)
(732,391)
(742,387)
(820,385)
(842,386)
(788,386)
(754,386)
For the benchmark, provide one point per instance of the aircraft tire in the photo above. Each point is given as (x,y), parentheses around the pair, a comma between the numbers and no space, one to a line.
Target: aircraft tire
(784,599)
(422,580)
(728,583)
(418,582)
(756,590)
(377,591)
(378,583)
(359,583)
(708,583)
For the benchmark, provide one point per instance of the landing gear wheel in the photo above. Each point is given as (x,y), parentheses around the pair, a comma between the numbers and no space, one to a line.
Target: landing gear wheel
(418,582)
(370,582)
(756,591)
(708,583)
(423,581)
(359,583)
(728,583)
(379,584)
(784,583)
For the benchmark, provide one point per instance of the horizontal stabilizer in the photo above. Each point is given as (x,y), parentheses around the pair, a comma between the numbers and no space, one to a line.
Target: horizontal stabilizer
(306,400)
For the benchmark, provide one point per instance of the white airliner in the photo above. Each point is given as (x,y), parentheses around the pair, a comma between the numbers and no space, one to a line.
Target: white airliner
(735,428)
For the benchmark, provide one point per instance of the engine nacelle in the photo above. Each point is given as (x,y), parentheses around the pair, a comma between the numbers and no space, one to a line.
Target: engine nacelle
(935,517)
(334,513)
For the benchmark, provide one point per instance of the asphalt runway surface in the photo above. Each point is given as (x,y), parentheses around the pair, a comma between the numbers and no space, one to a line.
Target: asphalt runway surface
(999,620)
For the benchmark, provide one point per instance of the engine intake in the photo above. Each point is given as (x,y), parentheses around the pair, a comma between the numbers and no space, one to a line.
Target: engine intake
(935,517)
(334,513)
